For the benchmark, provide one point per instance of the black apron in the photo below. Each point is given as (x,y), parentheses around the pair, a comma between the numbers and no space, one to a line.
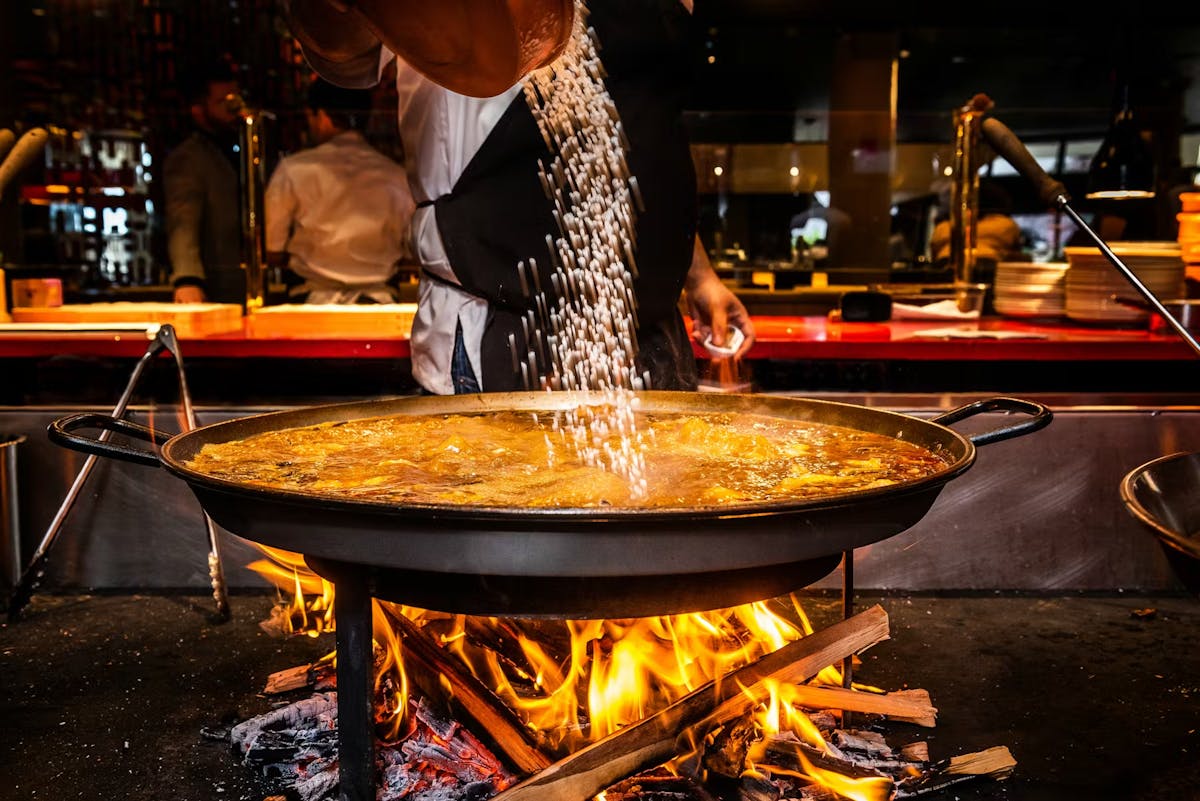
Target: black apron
(498,215)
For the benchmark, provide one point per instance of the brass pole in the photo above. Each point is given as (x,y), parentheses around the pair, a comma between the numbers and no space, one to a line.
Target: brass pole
(251,141)
(964,195)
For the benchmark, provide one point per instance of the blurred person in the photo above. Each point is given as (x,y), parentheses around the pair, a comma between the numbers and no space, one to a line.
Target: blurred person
(337,213)
(820,232)
(203,199)
(473,167)
(998,236)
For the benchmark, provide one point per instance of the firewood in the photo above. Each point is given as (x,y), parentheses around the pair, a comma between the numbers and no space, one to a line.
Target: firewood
(910,706)
(428,663)
(783,754)
(920,698)
(726,754)
(656,786)
(282,681)
(915,752)
(994,763)
(651,740)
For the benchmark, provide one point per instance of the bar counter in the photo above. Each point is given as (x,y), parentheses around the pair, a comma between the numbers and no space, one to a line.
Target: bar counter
(792,353)
(807,337)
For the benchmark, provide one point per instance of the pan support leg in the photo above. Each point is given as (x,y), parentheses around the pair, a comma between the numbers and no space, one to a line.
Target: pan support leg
(847,609)
(355,679)
(847,613)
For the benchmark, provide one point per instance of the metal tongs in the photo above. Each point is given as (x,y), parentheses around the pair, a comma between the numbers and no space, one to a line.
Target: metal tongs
(1053,193)
(164,339)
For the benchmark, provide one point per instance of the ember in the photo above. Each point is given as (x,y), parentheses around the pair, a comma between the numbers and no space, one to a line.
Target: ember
(435,759)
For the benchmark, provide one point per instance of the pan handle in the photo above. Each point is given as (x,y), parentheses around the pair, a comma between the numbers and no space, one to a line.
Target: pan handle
(1040,417)
(62,432)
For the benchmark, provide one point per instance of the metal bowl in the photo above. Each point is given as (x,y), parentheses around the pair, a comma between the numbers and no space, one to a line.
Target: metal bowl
(1164,494)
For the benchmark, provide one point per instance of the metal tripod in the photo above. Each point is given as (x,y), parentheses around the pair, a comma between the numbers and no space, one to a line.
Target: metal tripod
(164,339)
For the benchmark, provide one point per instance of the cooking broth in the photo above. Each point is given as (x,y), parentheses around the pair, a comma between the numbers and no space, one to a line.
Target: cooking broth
(517,459)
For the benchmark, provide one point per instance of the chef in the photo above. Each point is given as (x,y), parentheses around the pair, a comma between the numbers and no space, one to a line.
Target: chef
(337,213)
(482,210)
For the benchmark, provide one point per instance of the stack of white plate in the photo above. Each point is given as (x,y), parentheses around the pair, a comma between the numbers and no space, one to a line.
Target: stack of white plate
(1093,280)
(1030,289)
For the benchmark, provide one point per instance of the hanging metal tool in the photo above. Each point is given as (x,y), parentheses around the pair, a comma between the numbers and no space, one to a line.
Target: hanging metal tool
(1054,194)
(164,339)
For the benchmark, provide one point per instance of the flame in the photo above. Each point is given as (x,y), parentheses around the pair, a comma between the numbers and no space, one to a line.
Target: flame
(311,594)
(781,714)
(575,685)
(866,788)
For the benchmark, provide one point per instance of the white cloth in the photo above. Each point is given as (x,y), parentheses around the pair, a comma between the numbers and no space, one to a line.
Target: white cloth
(341,210)
(441,131)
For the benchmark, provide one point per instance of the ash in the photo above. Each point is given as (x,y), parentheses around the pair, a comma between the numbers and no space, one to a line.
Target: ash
(437,760)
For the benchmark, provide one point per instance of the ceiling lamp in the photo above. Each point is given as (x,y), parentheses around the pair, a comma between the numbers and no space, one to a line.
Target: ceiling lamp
(1123,167)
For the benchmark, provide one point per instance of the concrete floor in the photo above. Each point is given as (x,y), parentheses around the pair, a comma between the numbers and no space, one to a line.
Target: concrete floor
(116,696)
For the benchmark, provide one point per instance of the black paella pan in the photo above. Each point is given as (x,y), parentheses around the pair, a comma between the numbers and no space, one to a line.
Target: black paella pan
(568,562)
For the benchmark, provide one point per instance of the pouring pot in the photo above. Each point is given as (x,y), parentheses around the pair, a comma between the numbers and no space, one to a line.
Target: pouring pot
(565,562)
(478,48)
(1164,495)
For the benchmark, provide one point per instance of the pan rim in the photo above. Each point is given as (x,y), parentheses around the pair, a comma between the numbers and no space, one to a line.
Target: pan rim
(174,463)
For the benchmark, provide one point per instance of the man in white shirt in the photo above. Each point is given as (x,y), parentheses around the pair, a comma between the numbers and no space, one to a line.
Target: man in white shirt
(337,214)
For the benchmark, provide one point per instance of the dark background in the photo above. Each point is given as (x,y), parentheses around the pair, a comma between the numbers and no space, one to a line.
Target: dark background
(763,72)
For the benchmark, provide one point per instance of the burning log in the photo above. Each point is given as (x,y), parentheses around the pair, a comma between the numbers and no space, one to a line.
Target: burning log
(652,740)
(297,745)
(782,753)
(726,754)
(428,664)
(658,786)
(910,706)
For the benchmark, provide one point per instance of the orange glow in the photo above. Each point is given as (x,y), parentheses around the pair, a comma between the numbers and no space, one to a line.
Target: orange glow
(311,594)
(867,788)
(573,682)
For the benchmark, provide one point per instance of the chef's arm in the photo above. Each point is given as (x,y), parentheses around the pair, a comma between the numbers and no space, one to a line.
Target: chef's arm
(337,41)
(713,307)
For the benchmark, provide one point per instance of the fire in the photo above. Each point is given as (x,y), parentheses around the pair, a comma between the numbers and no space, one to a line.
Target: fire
(572,682)
(867,788)
(310,611)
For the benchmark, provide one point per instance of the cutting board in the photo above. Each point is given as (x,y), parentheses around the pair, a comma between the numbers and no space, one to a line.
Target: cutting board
(300,320)
(189,319)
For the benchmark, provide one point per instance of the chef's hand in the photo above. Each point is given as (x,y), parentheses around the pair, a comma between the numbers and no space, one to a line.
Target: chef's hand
(713,307)
(189,293)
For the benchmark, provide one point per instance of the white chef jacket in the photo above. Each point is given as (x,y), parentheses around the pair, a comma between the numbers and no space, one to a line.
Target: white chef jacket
(441,132)
(341,210)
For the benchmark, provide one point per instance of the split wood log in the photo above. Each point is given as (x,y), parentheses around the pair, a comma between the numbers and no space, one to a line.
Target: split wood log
(652,740)
(926,717)
(282,681)
(783,754)
(511,738)
(911,706)
(994,763)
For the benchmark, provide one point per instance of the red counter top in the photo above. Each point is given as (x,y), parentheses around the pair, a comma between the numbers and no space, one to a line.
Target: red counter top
(786,338)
